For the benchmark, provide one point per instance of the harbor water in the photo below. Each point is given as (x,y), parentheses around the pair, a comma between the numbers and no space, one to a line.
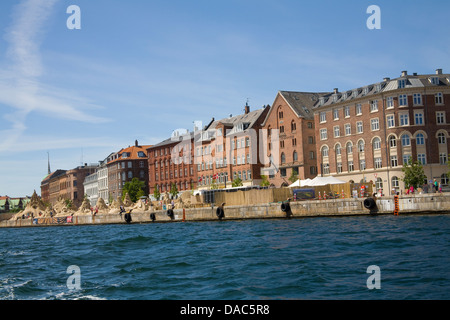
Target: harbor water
(311,258)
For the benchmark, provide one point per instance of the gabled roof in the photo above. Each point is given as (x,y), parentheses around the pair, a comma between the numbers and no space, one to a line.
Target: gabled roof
(132,153)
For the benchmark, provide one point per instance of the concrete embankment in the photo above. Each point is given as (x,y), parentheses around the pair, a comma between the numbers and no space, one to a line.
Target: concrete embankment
(418,204)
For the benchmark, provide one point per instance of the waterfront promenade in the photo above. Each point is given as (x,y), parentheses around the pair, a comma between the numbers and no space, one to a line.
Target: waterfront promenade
(416,204)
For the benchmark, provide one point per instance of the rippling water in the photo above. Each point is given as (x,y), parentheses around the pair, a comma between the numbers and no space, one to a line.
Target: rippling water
(317,258)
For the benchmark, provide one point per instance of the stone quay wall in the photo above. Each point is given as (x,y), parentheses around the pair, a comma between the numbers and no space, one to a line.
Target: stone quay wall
(417,204)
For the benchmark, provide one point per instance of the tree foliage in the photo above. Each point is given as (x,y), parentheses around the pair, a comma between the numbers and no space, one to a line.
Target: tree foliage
(134,188)
(156,193)
(414,174)
(294,176)
(173,190)
(265,182)
(237,182)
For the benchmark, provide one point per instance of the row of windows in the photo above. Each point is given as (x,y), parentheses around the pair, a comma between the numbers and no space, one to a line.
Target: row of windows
(374,105)
(129,164)
(165,174)
(405,140)
(390,120)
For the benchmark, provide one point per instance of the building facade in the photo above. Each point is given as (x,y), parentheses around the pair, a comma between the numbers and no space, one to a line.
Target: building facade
(66,184)
(291,143)
(368,133)
(170,162)
(229,149)
(125,165)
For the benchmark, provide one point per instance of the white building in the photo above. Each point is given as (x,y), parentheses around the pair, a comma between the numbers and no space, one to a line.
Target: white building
(91,188)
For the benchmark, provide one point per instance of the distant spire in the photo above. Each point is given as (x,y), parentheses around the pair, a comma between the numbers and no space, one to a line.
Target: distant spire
(48,155)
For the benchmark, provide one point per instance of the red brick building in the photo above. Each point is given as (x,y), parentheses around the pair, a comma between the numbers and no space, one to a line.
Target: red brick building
(228,149)
(368,133)
(171,162)
(123,166)
(291,143)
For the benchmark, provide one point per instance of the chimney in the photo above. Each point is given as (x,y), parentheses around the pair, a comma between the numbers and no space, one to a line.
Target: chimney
(136,143)
(386,79)
(404,73)
(247,108)
(336,90)
(438,71)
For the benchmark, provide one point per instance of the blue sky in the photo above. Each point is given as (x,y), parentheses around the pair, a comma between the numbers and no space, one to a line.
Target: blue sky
(140,69)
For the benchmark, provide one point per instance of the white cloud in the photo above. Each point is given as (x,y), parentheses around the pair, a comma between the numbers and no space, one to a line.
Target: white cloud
(20,87)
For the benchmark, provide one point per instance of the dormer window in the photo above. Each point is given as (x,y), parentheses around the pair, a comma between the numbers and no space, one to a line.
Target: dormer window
(355,93)
(366,90)
(322,101)
(141,154)
(401,83)
(345,96)
(434,80)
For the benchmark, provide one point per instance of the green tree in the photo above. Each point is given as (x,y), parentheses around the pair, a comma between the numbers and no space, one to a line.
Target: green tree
(134,188)
(237,182)
(156,193)
(413,174)
(173,190)
(294,176)
(214,185)
(265,182)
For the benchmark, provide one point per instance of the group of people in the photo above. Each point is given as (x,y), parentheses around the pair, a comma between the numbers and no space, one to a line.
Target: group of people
(94,211)
(435,187)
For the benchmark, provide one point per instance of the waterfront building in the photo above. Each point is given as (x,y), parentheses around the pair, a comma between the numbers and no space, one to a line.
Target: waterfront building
(228,149)
(125,165)
(291,137)
(368,133)
(170,162)
(91,188)
(66,184)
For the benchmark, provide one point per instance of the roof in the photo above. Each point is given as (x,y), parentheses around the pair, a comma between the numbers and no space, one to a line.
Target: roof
(132,153)
(54,174)
(239,123)
(171,140)
(303,102)
(410,81)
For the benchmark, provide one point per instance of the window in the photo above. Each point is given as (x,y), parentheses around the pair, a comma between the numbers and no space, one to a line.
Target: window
(322,117)
(348,129)
(444,179)
(421,157)
(349,148)
(407,158)
(420,139)
(434,80)
(326,168)
(347,112)
(418,118)
(295,156)
(130,164)
(293,126)
(443,158)
(404,119)
(325,151)
(283,158)
(280,114)
(310,125)
(390,121)
(395,182)
(337,132)
(323,134)
(294,142)
(441,138)
(351,168)
(438,98)
(406,141)
(335,114)
(440,117)
(338,149)
(339,167)
(378,163)
(390,102)
(312,155)
(376,144)
(358,109)
(417,99)
(379,184)
(374,123)
(403,100)
(394,161)
(359,127)
(362,164)
(401,83)
(310,140)
(281,129)
(361,146)
(373,105)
